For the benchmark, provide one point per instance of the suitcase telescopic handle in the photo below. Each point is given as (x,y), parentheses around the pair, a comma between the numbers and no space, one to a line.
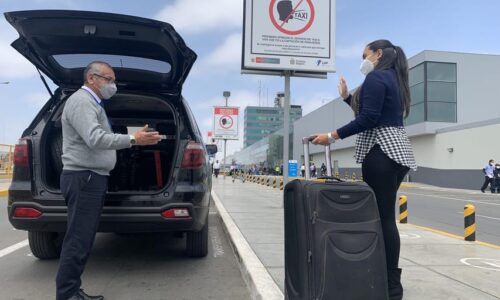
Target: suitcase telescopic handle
(328,160)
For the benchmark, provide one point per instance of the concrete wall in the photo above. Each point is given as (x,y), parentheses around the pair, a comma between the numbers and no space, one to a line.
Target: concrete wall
(462,179)
(472,148)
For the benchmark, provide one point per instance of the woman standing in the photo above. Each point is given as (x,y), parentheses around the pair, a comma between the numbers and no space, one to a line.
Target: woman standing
(382,146)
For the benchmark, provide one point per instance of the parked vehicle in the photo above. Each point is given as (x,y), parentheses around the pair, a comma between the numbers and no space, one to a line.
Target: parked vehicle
(160,188)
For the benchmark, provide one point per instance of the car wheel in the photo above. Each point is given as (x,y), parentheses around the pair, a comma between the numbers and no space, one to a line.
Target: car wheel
(45,245)
(56,152)
(197,242)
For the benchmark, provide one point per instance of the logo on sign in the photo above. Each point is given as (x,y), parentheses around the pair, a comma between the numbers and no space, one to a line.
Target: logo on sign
(226,122)
(292,17)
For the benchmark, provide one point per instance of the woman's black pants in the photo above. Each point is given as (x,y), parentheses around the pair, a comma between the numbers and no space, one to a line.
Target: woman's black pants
(384,176)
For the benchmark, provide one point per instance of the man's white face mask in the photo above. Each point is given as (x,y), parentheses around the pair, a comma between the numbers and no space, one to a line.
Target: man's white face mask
(108,90)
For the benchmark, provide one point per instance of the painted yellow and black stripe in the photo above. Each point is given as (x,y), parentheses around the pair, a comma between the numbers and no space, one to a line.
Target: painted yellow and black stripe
(469,222)
(281,184)
(403,209)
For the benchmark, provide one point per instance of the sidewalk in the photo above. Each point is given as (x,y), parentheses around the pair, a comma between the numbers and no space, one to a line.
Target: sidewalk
(434,266)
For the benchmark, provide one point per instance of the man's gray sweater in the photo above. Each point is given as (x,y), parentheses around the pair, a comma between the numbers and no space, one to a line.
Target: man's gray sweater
(88,141)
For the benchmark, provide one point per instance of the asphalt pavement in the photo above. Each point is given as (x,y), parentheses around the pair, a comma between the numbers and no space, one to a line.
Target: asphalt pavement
(136,266)
(442,209)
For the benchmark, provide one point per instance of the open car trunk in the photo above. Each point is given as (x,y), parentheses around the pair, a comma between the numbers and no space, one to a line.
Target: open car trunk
(139,168)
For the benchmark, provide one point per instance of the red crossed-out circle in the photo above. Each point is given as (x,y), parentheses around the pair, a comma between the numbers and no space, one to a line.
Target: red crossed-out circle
(292,32)
(227,126)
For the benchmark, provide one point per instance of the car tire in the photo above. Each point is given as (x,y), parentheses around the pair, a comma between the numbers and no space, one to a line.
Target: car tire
(56,153)
(45,245)
(197,242)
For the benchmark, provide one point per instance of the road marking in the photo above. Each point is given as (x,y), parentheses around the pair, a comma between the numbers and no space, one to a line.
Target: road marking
(454,199)
(216,242)
(477,262)
(409,236)
(13,248)
(493,218)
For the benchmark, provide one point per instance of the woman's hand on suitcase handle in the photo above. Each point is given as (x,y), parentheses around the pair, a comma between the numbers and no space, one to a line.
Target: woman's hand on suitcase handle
(322,138)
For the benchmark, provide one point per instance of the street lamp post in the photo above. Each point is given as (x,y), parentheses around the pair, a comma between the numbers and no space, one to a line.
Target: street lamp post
(226,95)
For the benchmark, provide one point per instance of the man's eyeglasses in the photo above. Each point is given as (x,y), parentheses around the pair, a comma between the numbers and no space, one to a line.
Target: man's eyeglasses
(108,79)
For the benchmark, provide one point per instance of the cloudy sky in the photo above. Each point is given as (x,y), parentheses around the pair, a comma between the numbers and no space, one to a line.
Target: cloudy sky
(213,29)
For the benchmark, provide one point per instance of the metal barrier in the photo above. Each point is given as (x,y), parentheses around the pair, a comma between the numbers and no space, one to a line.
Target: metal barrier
(6,160)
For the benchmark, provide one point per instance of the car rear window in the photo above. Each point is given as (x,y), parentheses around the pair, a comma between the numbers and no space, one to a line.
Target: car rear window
(73,61)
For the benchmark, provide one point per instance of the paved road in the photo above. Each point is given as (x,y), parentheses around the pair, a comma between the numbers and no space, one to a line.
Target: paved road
(150,266)
(443,209)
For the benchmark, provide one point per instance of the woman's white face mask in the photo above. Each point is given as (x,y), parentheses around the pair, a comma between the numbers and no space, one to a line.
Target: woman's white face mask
(366,66)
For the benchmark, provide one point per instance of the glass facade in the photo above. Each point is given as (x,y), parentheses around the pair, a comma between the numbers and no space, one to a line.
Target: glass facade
(433,89)
(260,122)
(265,153)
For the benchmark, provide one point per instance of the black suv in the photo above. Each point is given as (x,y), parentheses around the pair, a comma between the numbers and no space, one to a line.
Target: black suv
(165,187)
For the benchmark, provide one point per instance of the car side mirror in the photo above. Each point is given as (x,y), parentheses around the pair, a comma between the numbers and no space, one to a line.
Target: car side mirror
(211,149)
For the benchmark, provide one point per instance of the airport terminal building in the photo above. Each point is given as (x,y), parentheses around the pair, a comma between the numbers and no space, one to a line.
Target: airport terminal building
(454,124)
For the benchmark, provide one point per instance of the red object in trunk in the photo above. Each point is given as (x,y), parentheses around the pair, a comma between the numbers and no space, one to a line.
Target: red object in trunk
(159,175)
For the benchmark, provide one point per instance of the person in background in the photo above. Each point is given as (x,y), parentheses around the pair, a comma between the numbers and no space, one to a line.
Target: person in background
(495,185)
(323,169)
(216,168)
(303,170)
(382,147)
(488,174)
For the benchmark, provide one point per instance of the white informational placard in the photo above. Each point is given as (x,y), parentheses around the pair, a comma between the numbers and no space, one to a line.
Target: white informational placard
(226,122)
(296,35)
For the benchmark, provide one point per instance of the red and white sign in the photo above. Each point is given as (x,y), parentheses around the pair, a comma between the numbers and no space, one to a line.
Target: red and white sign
(283,13)
(226,122)
(297,35)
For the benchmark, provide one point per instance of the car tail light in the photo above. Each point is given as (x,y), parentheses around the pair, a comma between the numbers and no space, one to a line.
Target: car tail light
(194,156)
(27,212)
(176,213)
(21,153)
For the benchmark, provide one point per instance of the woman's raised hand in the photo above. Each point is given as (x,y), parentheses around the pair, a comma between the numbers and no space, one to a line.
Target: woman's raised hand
(343,91)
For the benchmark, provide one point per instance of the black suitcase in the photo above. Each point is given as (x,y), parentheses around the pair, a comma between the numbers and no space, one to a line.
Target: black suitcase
(334,247)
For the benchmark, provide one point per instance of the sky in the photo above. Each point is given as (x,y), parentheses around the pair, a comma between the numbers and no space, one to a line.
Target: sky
(213,29)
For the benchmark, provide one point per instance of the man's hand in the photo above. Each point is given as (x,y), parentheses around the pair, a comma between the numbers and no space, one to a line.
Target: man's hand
(143,137)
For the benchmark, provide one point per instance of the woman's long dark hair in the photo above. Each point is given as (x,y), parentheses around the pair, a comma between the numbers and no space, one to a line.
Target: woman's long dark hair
(393,57)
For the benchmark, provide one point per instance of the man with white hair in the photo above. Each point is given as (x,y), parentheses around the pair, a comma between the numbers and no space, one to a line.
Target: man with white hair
(89,154)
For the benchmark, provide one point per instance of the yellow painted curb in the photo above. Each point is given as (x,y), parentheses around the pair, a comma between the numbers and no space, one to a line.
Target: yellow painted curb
(407,185)
(455,236)
(4,193)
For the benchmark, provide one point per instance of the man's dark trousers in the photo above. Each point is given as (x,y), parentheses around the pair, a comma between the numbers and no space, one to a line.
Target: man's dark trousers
(487,181)
(84,192)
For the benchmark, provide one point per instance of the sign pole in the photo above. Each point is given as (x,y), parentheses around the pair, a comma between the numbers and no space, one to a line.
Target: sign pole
(226,95)
(286,127)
